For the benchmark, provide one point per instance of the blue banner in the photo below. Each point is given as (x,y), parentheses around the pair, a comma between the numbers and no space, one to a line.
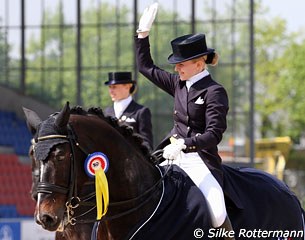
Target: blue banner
(10,231)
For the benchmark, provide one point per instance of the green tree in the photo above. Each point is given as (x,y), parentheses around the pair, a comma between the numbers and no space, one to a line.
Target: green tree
(292,90)
(279,74)
(270,40)
(4,58)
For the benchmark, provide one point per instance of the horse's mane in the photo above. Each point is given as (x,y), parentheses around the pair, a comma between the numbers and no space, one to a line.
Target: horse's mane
(123,129)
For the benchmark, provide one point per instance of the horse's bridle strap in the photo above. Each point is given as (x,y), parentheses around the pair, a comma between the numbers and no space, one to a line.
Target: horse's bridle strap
(36,140)
(50,188)
(51,137)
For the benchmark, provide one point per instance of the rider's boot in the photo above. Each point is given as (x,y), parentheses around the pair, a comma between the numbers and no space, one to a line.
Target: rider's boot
(228,227)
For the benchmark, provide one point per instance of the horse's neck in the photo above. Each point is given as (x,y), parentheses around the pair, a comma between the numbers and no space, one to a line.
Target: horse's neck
(129,175)
(135,174)
(135,177)
(127,164)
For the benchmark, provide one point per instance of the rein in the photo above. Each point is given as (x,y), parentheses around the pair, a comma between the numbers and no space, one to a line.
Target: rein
(73,200)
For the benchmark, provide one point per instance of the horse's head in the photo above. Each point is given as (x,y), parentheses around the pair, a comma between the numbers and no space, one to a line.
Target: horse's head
(51,166)
(60,146)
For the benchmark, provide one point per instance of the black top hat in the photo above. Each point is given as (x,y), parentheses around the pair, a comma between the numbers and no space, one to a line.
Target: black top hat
(188,47)
(119,78)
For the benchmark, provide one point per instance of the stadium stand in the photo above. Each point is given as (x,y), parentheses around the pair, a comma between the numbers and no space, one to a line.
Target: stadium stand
(14,133)
(15,180)
(15,175)
(15,168)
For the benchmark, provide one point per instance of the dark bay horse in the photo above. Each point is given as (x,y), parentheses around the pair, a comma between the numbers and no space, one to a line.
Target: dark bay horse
(136,186)
(146,201)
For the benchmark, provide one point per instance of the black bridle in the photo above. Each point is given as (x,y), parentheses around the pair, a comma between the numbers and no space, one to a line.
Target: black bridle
(74,200)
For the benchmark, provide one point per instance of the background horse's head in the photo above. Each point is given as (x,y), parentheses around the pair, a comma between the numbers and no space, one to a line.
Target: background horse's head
(61,144)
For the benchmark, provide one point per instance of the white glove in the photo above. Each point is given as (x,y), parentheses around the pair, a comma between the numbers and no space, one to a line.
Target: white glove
(172,150)
(147,18)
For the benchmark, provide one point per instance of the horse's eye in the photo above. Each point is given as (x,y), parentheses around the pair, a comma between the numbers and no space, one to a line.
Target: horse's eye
(60,157)
(59,154)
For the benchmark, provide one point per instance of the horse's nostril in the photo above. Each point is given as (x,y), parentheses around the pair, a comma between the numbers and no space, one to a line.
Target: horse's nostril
(48,221)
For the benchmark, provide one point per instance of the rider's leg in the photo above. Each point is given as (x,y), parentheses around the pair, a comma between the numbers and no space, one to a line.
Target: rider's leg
(193,165)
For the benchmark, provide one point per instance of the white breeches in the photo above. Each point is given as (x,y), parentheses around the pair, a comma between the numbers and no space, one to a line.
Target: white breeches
(194,166)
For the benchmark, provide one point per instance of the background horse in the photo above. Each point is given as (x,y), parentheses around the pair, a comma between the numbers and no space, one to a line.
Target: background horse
(147,201)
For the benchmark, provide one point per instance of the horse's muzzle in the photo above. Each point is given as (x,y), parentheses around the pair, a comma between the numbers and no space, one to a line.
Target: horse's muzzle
(48,221)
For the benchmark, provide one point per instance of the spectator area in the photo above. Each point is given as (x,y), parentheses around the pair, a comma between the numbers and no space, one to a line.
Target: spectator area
(15,186)
(14,133)
(15,176)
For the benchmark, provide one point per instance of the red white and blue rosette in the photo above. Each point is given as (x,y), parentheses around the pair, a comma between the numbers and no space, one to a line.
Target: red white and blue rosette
(95,161)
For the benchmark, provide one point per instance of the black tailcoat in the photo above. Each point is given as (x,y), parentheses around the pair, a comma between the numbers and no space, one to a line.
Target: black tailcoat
(199,114)
(137,116)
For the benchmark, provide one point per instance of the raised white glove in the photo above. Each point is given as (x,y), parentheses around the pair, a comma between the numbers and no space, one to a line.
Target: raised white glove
(147,18)
(172,150)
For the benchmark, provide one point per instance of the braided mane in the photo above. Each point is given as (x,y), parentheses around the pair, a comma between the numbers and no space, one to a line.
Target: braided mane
(123,129)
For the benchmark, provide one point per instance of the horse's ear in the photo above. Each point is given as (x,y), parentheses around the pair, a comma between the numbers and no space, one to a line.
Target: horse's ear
(32,120)
(63,117)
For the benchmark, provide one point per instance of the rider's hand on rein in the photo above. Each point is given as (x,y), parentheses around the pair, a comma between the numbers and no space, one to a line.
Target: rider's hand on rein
(172,150)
